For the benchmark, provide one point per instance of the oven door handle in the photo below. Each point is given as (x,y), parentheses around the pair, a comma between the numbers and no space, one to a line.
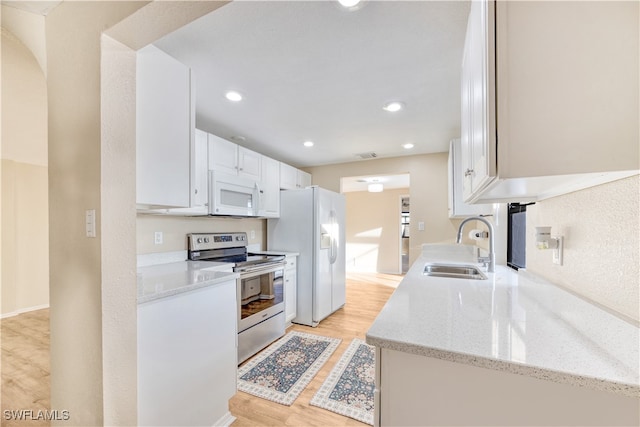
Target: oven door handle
(256,271)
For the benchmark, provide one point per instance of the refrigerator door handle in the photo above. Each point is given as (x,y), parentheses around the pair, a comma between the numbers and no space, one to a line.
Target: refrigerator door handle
(333,251)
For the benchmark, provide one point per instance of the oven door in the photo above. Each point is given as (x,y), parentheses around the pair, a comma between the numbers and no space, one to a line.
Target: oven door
(232,195)
(260,295)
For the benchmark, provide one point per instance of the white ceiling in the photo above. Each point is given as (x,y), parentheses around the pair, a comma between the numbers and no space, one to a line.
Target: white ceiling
(33,6)
(311,70)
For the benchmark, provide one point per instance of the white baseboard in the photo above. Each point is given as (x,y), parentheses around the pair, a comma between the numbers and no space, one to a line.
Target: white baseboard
(225,420)
(23,310)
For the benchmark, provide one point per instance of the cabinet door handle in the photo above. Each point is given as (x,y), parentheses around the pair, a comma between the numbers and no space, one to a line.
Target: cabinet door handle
(468,172)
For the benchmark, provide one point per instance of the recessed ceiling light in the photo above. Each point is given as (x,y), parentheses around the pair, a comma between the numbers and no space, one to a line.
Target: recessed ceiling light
(349,3)
(393,106)
(233,96)
(407,146)
(239,138)
(308,143)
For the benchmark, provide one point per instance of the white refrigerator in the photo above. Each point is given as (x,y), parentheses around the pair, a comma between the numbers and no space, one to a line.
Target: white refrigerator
(312,223)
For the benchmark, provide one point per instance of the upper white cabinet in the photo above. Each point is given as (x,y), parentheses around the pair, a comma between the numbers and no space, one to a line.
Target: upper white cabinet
(292,178)
(287,177)
(164,130)
(200,187)
(249,163)
(457,207)
(550,98)
(270,188)
(303,179)
(233,159)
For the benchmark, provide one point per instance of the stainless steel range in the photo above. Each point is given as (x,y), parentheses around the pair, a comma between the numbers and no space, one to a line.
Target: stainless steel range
(261,318)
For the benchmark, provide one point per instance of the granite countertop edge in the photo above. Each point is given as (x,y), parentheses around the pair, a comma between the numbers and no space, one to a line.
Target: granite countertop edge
(510,367)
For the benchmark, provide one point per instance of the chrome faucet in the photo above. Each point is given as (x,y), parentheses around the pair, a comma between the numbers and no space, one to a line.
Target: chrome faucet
(490,261)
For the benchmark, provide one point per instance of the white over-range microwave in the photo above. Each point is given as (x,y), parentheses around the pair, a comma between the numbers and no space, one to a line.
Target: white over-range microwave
(233,195)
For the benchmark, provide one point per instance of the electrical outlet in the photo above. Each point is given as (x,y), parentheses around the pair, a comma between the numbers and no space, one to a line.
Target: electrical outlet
(157,237)
(252,234)
(421,226)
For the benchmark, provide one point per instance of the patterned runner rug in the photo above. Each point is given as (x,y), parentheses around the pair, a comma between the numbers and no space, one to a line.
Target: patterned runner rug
(348,390)
(284,369)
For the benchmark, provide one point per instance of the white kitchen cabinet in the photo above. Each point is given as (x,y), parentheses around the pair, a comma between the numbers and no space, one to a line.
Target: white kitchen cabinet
(187,357)
(249,163)
(290,287)
(303,179)
(164,130)
(223,155)
(457,207)
(292,178)
(230,158)
(542,114)
(200,186)
(288,177)
(416,390)
(270,188)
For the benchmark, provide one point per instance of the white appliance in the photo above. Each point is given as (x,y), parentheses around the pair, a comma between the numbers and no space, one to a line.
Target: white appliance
(232,195)
(311,223)
(259,293)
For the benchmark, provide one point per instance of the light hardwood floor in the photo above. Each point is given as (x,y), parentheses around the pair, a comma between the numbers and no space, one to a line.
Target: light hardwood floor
(25,365)
(25,361)
(366,295)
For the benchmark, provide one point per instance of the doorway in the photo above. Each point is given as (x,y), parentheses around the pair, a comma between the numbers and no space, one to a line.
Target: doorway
(373,237)
(405,237)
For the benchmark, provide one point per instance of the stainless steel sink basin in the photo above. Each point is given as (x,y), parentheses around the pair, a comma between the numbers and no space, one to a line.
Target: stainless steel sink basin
(454,271)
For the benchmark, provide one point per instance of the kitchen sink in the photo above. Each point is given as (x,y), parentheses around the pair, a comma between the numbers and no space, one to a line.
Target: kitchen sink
(454,271)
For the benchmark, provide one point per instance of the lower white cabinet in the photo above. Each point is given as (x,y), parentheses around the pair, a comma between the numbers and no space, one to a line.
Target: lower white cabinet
(187,357)
(290,287)
(414,390)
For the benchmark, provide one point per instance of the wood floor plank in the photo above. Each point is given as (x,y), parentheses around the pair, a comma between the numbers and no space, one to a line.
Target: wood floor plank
(25,367)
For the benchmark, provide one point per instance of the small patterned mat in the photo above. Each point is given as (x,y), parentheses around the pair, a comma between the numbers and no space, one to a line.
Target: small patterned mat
(348,390)
(284,369)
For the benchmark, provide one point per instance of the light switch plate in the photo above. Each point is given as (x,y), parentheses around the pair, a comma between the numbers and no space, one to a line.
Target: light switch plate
(90,222)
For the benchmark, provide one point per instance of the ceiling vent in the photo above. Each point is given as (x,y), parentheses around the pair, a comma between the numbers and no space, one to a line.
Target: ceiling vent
(370,155)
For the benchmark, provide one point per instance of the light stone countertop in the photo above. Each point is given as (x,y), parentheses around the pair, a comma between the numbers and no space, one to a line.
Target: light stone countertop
(165,280)
(514,322)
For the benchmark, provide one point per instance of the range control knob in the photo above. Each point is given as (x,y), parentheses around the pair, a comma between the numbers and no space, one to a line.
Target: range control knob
(206,240)
(199,240)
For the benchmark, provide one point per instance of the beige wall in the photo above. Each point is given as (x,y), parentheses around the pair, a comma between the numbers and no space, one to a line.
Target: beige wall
(373,231)
(428,192)
(601,228)
(92,166)
(78,363)
(175,229)
(25,232)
